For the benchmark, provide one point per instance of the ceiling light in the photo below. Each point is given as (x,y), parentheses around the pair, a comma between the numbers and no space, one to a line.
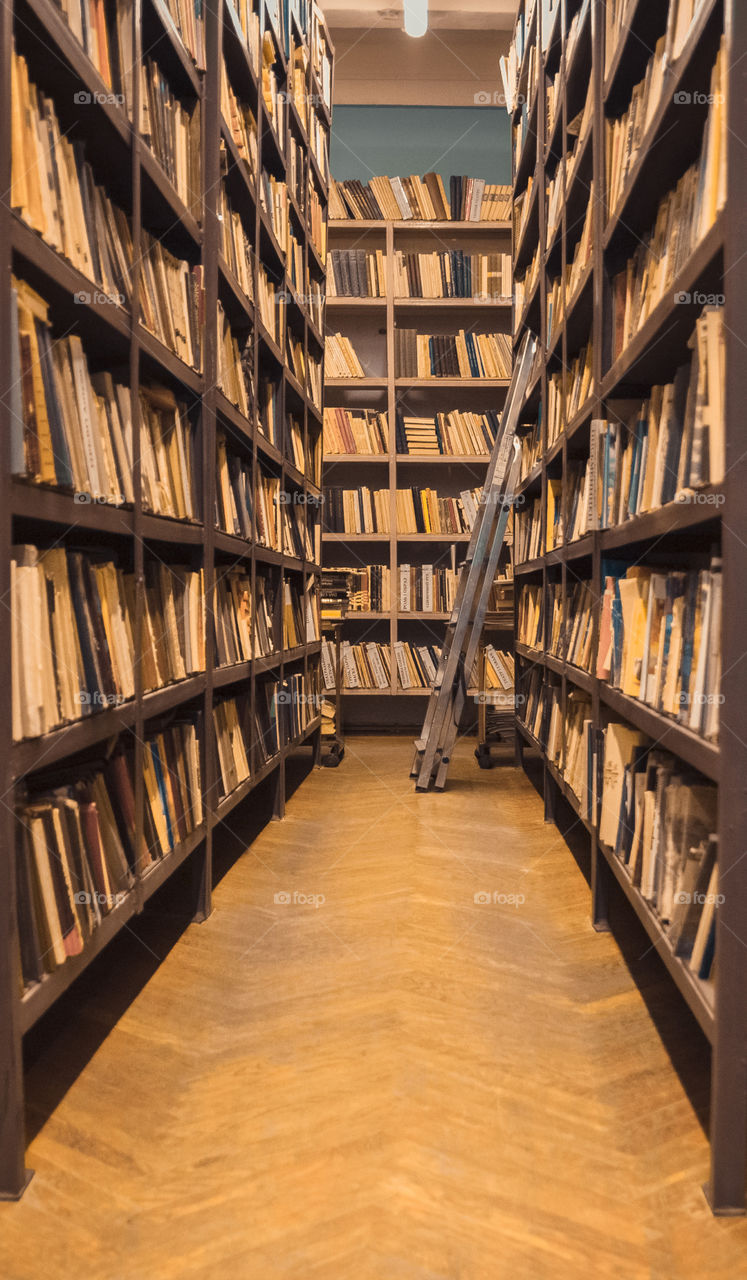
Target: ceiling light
(416,17)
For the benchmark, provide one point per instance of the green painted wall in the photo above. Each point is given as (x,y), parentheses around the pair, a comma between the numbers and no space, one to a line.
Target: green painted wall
(369,141)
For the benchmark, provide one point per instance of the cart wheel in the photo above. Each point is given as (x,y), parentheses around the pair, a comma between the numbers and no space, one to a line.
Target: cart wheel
(482,756)
(336,752)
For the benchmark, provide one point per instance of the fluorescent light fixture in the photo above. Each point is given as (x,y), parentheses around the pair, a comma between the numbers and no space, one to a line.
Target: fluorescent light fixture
(416,17)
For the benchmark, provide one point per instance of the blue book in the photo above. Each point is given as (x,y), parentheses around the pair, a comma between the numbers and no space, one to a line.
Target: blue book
(157,765)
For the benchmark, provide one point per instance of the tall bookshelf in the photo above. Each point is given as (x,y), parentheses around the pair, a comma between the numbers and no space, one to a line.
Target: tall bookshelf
(115,339)
(371,325)
(716,266)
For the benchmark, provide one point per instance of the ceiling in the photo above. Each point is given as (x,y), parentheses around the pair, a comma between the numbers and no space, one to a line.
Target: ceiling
(460,15)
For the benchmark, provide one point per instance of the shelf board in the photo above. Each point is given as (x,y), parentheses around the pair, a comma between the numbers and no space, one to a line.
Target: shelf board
(416,225)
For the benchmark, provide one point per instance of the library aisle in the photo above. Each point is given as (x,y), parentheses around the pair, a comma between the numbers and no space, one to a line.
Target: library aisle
(400,1080)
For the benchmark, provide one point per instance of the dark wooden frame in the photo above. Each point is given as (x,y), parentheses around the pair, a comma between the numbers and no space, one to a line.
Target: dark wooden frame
(47,508)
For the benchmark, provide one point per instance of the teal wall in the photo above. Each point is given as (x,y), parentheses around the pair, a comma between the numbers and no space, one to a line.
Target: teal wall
(397,141)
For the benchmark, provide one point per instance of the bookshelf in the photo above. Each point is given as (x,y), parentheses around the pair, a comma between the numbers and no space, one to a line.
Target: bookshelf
(115,339)
(371,323)
(680,534)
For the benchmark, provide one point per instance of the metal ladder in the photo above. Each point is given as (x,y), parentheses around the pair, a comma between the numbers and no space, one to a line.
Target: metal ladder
(434,746)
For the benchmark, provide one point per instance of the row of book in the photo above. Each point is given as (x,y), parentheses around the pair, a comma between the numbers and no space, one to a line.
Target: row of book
(452,273)
(654,814)
(238,636)
(240,124)
(668,448)
(282,712)
(341,359)
(364,432)
(465,354)
(356,273)
(457,432)
(423,510)
(171,299)
(54,191)
(418,510)
(660,819)
(235,361)
(684,217)
(174,134)
(420,199)
(568,391)
(75,645)
(281,523)
(369,665)
(77,852)
(660,640)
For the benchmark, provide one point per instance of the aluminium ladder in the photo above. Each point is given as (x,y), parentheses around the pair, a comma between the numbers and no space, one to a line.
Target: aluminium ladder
(464,628)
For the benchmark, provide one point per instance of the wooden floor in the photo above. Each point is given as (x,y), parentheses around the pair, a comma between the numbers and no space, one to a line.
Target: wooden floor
(394,1081)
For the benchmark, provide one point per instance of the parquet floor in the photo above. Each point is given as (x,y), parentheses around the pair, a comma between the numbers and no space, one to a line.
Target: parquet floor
(394,1083)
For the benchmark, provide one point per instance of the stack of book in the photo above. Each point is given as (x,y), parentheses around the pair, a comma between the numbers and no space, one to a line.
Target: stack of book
(685,215)
(356,273)
(173,133)
(235,360)
(266,720)
(271,299)
(340,357)
(336,594)
(346,431)
(168,449)
(171,299)
(660,821)
(189,21)
(528,532)
(74,659)
(232,617)
(424,199)
(233,736)
(54,191)
(360,510)
(530,619)
(425,511)
(234,502)
(240,123)
(70,428)
(659,640)
(454,433)
(452,273)
(448,355)
(172,641)
(426,588)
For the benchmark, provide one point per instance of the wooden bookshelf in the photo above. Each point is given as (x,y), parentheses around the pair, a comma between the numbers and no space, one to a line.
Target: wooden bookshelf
(371,323)
(124,164)
(716,265)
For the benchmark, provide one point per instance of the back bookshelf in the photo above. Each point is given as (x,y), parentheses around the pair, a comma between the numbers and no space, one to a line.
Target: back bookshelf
(372,324)
(290,105)
(579,55)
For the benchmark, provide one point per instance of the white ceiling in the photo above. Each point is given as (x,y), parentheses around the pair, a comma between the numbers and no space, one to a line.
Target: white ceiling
(460,15)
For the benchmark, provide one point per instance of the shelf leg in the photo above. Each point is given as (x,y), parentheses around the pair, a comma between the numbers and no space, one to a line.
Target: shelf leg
(202,880)
(278,804)
(600,884)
